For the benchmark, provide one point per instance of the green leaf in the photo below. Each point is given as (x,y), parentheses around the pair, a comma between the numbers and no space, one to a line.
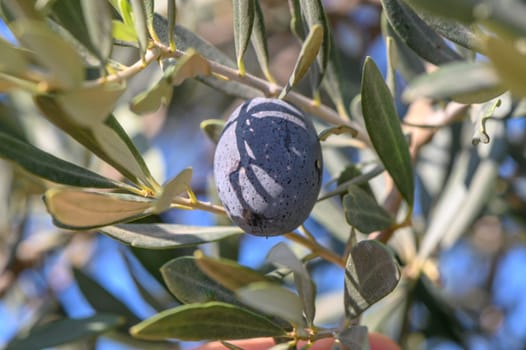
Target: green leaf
(50,167)
(363,212)
(171,15)
(168,236)
(172,189)
(357,178)
(508,62)
(485,112)
(417,34)
(479,83)
(81,209)
(141,24)
(14,61)
(186,39)
(462,10)
(370,274)
(102,300)
(383,126)
(355,337)
(259,41)
(306,57)
(314,15)
(273,299)
(97,14)
(391,65)
(123,32)
(212,320)
(333,83)
(191,65)
(189,284)
(78,103)
(149,101)
(282,256)
(213,128)
(243,23)
(228,272)
(65,331)
(64,66)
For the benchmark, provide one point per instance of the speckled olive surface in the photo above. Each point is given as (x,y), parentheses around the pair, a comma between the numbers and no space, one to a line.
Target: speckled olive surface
(267,167)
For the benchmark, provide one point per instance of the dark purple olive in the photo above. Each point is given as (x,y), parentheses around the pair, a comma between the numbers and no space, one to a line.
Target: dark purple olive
(267,167)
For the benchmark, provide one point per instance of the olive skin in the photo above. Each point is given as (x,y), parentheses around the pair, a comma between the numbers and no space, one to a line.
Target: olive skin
(268,166)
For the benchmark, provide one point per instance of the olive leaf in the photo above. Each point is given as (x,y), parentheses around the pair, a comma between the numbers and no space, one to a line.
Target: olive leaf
(485,112)
(98,19)
(480,83)
(212,320)
(14,61)
(508,62)
(370,274)
(337,130)
(259,41)
(363,212)
(417,34)
(172,189)
(306,57)
(243,22)
(140,20)
(213,128)
(383,126)
(82,209)
(168,236)
(50,167)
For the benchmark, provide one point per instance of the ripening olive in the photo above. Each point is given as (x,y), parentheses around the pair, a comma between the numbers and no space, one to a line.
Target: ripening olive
(267,167)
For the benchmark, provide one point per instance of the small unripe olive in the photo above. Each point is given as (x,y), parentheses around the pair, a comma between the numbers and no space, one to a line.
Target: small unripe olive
(267,167)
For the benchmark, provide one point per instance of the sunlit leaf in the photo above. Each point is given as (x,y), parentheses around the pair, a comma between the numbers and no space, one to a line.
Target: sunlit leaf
(123,32)
(213,128)
(306,57)
(168,236)
(479,83)
(259,41)
(171,15)
(172,189)
(282,256)
(228,272)
(383,126)
(14,61)
(189,284)
(81,209)
(390,78)
(65,66)
(79,103)
(417,34)
(65,331)
(508,61)
(212,320)
(191,65)
(243,22)
(149,101)
(48,166)
(97,14)
(363,212)
(273,299)
(370,274)
(141,23)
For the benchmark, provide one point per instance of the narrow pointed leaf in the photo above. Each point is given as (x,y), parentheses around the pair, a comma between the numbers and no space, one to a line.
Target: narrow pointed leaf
(273,299)
(281,255)
(383,126)
(65,331)
(172,189)
(228,272)
(191,65)
(391,65)
(213,128)
(508,62)
(14,61)
(296,19)
(363,212)
(213,320)
(123,32)
(355,337)
(168,236)
(63,63)
(171,15)
(479,83)
(102,300)
(141,24)
(370,274)
(333,83)
(149,101)
(50,167)
(243,22)
(307,56)
(189,284)
(97,14)
(79,103)
(417,34)
(314,14)
(259,41)
(78,209)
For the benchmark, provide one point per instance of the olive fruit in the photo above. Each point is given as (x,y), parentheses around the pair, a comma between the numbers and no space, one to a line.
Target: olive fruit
(267,167)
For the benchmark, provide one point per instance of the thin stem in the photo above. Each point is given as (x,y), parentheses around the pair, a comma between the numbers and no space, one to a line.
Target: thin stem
(190,204)
(315,247)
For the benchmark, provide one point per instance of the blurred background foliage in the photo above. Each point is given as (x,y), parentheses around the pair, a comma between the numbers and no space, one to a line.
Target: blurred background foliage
(462,284)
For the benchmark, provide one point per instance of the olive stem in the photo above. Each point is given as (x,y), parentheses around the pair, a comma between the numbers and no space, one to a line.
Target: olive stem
(315,247)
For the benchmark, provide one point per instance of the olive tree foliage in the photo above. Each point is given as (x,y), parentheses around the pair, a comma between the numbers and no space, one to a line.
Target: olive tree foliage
(72,64)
